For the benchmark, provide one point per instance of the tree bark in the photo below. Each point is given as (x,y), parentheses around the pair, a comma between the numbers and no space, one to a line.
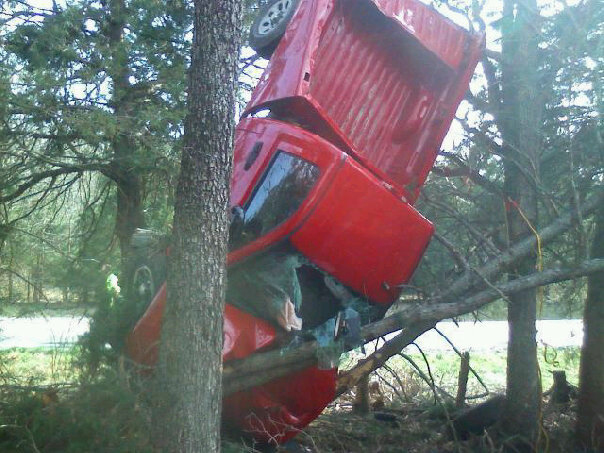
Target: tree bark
(188,376)
(36,279)
(361,398)
(462,380)
(11,263)
(520,127)
(123,168)
(376,360)
(590,422)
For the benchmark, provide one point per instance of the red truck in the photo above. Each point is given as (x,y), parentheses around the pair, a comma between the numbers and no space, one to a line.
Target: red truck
(330,155)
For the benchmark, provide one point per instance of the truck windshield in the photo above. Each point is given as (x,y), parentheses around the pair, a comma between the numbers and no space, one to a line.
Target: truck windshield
(277,196)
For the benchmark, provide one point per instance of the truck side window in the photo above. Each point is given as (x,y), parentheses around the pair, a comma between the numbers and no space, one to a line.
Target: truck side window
(278,195)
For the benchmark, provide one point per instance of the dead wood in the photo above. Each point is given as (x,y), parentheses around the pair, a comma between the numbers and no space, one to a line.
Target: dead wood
(476,277)
(414,318)
(462,380)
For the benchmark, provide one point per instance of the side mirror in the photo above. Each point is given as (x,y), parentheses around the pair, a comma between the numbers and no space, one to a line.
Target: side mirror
(237,217)
(237,214)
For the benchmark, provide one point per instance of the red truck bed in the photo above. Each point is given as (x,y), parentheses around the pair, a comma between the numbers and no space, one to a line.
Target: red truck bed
(379,78)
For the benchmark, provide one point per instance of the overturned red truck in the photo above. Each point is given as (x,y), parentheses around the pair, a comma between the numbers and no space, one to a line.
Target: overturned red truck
(331,152)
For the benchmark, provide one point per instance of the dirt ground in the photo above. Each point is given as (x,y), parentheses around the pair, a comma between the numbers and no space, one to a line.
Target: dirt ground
(418,429)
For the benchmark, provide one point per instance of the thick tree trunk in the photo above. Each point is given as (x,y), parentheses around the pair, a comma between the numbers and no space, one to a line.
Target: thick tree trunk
(590,423)
(520,125)
(123,171)
(188,376)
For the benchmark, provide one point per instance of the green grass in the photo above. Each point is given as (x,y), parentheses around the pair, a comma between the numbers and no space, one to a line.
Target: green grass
(48,309)
(38,366)
(43,366)
(108,412)
(491,367)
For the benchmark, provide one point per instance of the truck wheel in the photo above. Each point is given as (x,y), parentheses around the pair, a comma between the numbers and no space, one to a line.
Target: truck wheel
(270,25)
(144,285)
(148,266)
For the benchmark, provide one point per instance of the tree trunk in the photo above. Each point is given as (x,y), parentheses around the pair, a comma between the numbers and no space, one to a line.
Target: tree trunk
(361,398)
(590,423)
(188,376)
(124,169)
(10,295)
(462,380)
(520,125)
(11,281)
(36,279)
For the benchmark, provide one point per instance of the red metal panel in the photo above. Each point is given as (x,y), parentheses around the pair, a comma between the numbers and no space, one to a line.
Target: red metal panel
(382,94)
(275,136)
(440,36)
(277,411)
(352,225)
(380,79)
(363,235)
(243,333)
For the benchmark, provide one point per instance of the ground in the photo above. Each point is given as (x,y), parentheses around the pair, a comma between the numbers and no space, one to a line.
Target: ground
(50,402)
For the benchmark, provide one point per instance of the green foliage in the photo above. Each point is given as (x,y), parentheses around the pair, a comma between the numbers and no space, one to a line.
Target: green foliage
(110,324)
(73,90)
(78,80)
(104,415)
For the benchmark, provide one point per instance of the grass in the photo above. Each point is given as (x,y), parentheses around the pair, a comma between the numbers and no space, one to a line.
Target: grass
(418,423)
(106,414)
(44,366)
(49,404)
(38,366)
(490,367)
(46,309)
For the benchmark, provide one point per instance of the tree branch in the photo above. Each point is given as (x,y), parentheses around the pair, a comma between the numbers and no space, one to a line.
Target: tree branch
(414,318)
(520,249)
(48,174)
(465,170)
(376,360)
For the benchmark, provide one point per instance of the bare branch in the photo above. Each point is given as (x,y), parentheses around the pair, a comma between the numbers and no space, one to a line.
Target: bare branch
(48,174)
(465,170)
(521,249)
(414,319)
(455,254)
(478,235)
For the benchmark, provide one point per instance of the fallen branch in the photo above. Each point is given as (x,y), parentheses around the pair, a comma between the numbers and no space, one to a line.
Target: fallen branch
(374,361)
(519,250)
(421,318)
(414,318)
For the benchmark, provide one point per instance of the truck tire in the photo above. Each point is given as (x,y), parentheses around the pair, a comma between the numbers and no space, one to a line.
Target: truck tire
(149,268)
(270,24)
